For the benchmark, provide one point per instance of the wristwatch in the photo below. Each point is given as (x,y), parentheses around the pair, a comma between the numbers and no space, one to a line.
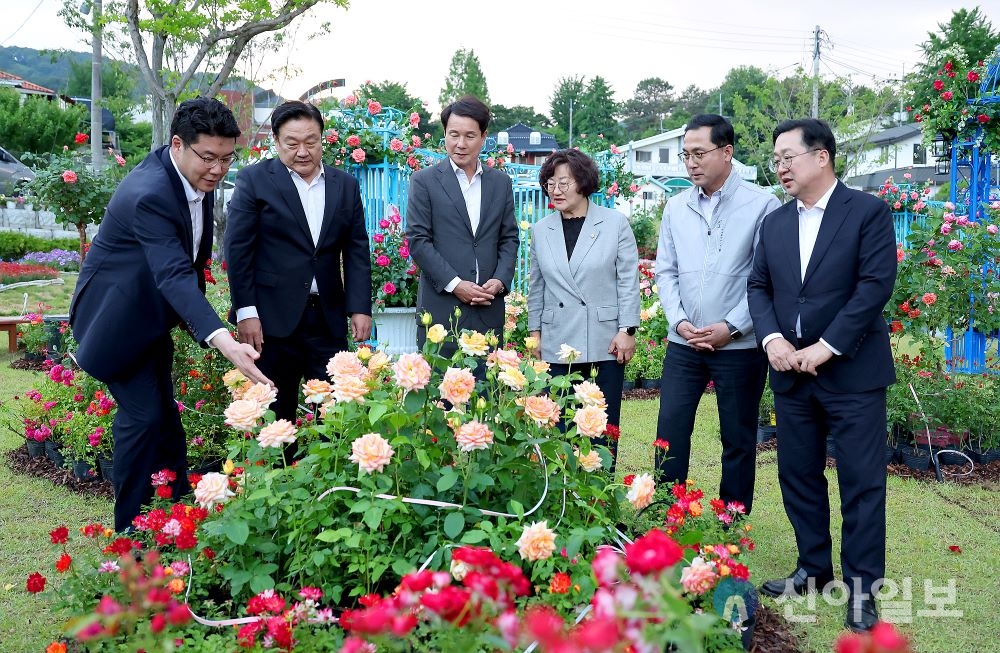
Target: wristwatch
(628,330)
(734,333)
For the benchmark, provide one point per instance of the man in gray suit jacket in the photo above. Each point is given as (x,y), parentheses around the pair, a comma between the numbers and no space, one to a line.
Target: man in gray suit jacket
(461,228)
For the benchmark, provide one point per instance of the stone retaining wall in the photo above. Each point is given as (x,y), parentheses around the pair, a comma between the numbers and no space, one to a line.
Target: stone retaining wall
(38,223)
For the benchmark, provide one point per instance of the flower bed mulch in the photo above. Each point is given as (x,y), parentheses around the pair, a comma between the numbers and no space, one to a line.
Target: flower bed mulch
(20,462)
(987,476)
(771,633)
(31,365)
(641,393)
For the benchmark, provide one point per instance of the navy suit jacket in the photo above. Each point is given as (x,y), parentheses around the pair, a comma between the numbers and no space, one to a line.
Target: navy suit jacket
(271,258)
(848,281)
(138,280)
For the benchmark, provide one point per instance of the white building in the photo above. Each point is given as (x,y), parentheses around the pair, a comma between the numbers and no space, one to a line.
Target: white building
(891,152)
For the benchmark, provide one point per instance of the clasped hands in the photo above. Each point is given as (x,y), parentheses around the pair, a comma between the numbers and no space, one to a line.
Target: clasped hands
(784,357)
(472,293)
(709,338)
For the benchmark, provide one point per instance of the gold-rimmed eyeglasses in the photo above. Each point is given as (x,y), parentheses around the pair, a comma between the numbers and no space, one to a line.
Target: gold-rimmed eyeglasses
(211,161)
(785,162)
(562,185)
(697,156)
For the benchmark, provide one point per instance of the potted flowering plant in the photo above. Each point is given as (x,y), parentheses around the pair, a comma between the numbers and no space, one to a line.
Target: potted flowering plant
(363,132)
(66,184)
(956,110)
(394,285)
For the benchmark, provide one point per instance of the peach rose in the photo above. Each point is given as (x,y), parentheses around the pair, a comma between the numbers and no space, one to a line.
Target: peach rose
(378,362)
(276,434)
(537,542)
(474,435)
(698,577)
(412,372)
(436,334)
(316,391)
(240,391)
(262,393)
(540,409)
(540,367)
(640,494)
(212,489)
(345,363)
(233,379)
(371,452)
(591,421)
(457,385)
(349,388)
(591,462)
(512,377)
(473,343)
(589,394)
(243,414)
(503,357)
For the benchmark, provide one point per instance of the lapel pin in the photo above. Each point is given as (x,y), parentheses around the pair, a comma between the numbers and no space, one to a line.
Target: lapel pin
(593,235)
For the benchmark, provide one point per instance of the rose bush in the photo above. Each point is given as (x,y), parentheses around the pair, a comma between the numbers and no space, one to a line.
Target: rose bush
(394,274)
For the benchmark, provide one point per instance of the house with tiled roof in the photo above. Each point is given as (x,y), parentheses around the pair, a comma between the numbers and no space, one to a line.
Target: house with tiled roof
(531,147)
(24,87)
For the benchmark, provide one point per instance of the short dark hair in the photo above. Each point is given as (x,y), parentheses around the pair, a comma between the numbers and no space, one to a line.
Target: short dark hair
(203,116)
(294,110)
(722,133)
(815,133)
(468,106)
(581,167)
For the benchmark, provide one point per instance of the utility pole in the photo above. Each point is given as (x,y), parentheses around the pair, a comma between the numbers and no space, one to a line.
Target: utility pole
(815,102)
(96,114)
(571,122)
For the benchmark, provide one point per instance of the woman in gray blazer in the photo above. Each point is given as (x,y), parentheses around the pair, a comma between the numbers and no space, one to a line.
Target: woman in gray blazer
(583,288)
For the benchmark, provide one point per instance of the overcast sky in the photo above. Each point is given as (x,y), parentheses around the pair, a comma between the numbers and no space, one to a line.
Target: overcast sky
(526,46)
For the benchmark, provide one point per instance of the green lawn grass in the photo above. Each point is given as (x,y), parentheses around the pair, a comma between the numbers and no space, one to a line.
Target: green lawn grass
(923,521)
(50,299)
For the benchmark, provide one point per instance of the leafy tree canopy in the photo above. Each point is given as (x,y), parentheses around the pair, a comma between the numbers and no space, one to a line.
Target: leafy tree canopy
(465,77)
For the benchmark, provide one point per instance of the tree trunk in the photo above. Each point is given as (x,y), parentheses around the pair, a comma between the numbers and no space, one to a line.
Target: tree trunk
(81,229)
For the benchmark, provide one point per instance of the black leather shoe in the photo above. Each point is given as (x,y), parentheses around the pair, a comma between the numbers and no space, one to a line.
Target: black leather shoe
(798,583)
(861,614)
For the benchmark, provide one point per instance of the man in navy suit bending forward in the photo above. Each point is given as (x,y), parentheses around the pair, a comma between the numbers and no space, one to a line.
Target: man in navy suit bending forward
(143,276)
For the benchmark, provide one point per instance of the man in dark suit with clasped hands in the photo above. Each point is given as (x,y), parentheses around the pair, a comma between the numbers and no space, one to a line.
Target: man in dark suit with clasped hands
(143,276)
(823,270)
(293,224)
(460,223)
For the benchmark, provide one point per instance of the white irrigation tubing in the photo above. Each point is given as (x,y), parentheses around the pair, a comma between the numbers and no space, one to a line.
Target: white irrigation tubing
(36,282)
(423,502)
(927,428)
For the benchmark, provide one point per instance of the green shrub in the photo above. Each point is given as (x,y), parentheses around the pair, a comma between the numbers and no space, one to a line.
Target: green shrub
(15,244)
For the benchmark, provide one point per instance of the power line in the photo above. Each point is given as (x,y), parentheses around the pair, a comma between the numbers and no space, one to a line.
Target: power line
(24,23)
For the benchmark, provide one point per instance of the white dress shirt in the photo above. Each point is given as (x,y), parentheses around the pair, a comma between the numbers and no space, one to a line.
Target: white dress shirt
(472,191)
(312,195)
(194,199)
(810,220)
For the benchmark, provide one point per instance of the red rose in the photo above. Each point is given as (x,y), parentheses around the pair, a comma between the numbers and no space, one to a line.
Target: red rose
(59,535)
(652,552)
(983,118)
(938,84)
(36,583)
(80,138)
(973,76)
(63,563)
(947,96)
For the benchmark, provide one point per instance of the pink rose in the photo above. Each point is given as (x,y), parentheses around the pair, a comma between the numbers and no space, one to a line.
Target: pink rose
(490,162)
(371,452)
(379,238)
(350,100)
(414,120)
(404,251)
(358,155)
(389,288)
(510,148)
(946,228)
(382,261)
(992,229)
(947,96)
(938,85)
(374,108)
(353,140)
(396,145)
(69,177)
(412,371)
(472,436)
(383,223)
(955,245)
(415,140)
(615,150)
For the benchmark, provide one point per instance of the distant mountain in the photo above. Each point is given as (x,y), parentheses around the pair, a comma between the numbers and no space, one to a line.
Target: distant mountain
(45,68)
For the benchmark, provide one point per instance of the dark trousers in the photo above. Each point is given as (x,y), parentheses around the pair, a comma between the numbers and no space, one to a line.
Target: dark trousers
(739,376)
(610,377)
(301,356)
(857,423)
(147,434)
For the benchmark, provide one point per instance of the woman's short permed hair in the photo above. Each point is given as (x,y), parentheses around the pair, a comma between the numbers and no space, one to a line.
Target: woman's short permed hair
(582,168)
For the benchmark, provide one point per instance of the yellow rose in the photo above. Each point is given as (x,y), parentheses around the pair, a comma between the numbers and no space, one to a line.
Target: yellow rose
(473,343)
(531,343)
(436,334)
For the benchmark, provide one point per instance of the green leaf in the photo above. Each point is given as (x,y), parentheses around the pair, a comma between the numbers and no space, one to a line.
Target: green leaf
(474,537)
(373,517)
(334,535)
(423,458)
(414,401)
(453,524)
(238,532)
(376,412)
(447,480)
